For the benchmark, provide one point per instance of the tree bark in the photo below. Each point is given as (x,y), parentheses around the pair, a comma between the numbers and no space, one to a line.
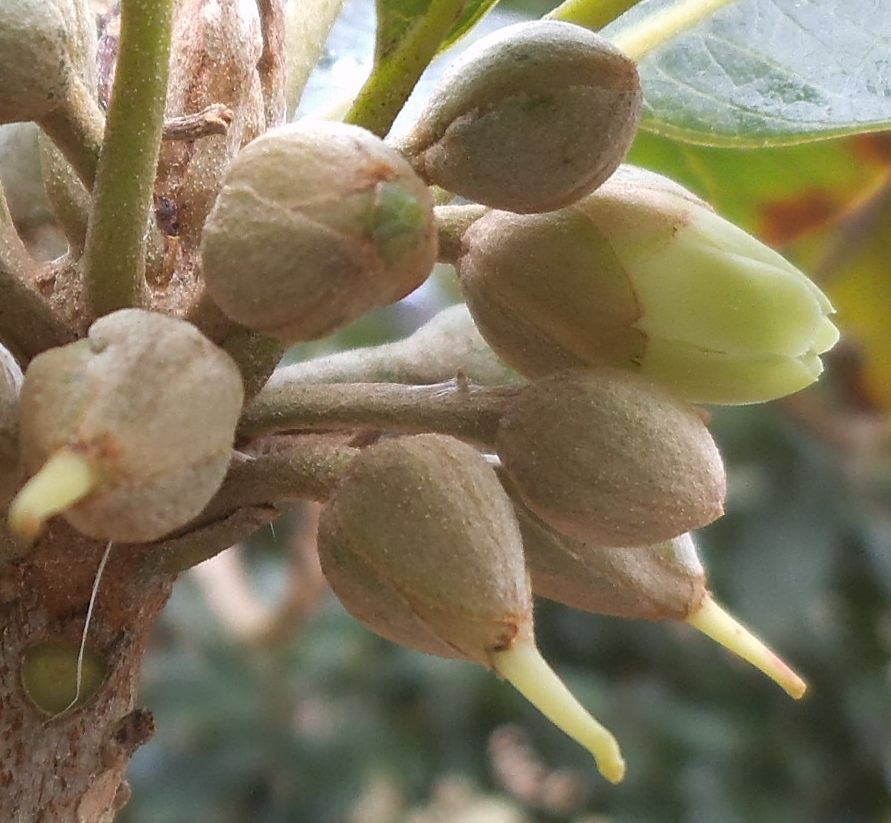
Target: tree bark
(71,767)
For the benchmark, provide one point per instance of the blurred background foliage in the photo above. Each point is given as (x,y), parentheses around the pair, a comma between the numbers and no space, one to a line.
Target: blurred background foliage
(273,705)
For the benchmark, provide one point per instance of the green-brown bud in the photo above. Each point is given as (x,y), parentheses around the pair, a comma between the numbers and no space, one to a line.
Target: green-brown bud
(129,431)
(609,457)
(664,581)
(529,118)
(661,582)
(316,224)
(421,544)
(642,275)
(43,48)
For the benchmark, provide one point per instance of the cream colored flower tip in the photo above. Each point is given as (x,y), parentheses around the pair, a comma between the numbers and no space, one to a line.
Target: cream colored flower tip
(527,671)
(64,480)
(723,628)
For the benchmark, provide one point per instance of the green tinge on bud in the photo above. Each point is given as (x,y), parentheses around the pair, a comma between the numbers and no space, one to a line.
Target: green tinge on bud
(52,678)
(421,544)
(129,432)
(665,581)
(530,118)
(316,224)
(610,457)
(644,276)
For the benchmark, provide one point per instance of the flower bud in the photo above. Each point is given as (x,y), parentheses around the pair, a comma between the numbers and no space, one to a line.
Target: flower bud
(421,544)
(129,431)
(644,276)
(316,225)
(665,581)
(530,118)
(425,519)
(610,457)
(44,46)
(10,383)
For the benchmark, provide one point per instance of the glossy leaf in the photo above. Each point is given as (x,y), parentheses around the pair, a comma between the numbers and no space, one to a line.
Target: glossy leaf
(762,72)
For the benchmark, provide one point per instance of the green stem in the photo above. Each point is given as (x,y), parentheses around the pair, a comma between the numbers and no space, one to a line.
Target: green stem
(76,127)
(395,74)
(451,224)
(69,199)
(255,354)
(657,29)
(114,258)
(289,468)
(456,408)
(174,555)
(592,14)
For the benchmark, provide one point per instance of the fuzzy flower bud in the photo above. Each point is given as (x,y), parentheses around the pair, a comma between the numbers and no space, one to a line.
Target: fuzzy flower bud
(665,581)
(316,225)
(129,431)
(43,45)
(421,544)
(530,118)
(612,458)
(643,275)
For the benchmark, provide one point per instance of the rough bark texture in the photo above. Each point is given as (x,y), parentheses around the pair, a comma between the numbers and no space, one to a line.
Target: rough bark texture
(71,768)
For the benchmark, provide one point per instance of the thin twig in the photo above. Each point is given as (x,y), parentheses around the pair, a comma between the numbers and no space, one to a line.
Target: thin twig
(281,469)
(28,325)
(455,407)
(215,119)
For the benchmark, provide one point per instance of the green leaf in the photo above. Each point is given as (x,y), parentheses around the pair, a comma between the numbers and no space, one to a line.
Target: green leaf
(395,20)
(473,13)
(409,33)
(770,72)
(778,192)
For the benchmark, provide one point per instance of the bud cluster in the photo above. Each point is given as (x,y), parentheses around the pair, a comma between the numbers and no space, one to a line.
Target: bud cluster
(618,297)
(622,297)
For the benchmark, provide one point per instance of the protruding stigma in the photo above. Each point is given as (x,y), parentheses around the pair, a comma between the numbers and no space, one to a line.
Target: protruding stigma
(65,479)
(524,667)
(721,627)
